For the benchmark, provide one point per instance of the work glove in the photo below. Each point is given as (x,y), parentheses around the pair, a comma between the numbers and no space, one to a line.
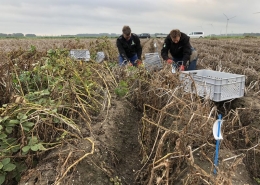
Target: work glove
(138,62)
(182,67)
(169,61)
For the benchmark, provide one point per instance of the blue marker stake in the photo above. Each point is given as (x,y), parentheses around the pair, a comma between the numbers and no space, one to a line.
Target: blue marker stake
(217,144)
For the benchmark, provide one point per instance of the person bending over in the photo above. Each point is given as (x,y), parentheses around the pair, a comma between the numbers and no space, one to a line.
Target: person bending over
(182,52)
(129,47)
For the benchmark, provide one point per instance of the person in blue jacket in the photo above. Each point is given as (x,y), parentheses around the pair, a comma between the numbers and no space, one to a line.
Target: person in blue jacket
(182,52)
(129,47)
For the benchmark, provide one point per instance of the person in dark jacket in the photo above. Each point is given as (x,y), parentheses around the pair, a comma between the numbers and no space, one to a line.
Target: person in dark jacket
(178,44)
(129,47)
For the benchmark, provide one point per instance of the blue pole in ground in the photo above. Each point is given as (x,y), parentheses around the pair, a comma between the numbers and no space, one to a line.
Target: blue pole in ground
(217,145)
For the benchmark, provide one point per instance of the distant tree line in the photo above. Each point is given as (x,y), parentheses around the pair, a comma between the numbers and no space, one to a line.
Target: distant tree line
(251,34)
(77,35)
(17,35)
(92,35)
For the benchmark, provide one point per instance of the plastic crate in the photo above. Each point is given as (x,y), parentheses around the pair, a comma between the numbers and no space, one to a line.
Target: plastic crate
(152,61)
(80,54)
(100,56)
(215,85)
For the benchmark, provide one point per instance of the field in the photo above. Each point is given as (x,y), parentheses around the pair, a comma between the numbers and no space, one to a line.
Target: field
(74,122)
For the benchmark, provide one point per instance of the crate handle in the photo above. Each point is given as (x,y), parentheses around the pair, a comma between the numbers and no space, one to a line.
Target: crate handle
(197,77)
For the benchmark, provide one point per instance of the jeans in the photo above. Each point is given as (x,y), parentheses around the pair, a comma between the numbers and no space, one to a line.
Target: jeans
(192,64)
(132,60)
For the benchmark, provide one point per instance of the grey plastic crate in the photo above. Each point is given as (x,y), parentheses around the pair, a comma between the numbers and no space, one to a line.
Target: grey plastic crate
(152,61)
(80,54)
(217,86)
(100,56)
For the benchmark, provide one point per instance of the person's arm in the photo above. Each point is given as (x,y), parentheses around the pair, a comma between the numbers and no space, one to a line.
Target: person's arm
(165,49)
(121,50)
(186,50)
(138,48)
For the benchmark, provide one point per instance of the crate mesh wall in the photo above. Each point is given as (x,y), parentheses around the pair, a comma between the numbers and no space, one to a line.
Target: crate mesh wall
(230,91)
(100,56)
(152,61)
(80,54)
(217,86)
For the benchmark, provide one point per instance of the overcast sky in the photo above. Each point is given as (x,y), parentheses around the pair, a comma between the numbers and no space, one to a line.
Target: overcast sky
(61,17)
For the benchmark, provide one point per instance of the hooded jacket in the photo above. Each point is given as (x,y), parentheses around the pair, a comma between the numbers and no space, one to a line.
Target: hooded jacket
(182,49)
(129,48)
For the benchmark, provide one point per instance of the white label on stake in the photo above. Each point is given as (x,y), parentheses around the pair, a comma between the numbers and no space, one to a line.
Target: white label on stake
(216,131)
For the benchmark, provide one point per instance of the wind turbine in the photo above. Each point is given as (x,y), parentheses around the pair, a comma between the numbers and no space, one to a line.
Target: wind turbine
(212,27)
(227,21)
(201,26)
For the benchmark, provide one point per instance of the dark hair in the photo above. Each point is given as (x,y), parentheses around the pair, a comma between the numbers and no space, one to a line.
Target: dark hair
(126,30)
(175,33)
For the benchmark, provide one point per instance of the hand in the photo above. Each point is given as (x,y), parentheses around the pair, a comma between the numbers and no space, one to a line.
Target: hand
(182,68)
(139,62)
(169,61)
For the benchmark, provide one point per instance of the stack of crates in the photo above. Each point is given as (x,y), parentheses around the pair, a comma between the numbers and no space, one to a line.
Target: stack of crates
(215,85)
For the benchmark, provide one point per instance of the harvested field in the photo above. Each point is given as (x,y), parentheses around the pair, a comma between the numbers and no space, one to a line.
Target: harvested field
(73,122)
